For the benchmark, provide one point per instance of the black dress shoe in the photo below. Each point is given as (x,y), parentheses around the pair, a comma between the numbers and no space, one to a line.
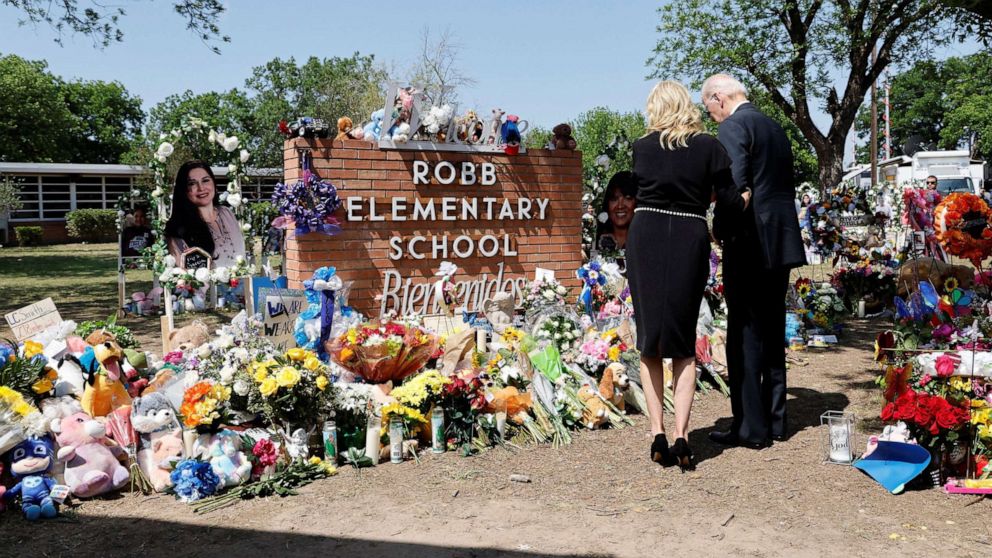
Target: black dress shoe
(778,437)
(728,438)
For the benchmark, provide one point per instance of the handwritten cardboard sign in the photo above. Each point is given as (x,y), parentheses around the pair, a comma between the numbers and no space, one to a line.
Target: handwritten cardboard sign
(195,258)
(33,319)
(280,308)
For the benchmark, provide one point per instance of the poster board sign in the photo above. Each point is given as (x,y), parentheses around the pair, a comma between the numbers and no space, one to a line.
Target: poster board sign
(259,282)
(280,308)
(33,319)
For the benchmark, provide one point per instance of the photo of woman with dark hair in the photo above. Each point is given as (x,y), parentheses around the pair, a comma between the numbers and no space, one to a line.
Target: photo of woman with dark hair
(197,219)
(616,212)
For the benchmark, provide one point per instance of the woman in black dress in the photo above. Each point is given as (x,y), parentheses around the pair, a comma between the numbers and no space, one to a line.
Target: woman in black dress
(679,171)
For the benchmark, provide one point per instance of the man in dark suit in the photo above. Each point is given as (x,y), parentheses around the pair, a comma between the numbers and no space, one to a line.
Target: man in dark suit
(760,247)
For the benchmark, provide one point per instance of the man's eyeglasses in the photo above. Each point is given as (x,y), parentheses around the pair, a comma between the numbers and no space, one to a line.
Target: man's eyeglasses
(931,182)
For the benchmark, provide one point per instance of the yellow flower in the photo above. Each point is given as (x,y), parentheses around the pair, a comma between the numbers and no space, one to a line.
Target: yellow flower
(315,460)
(268,387)
(288,376)
(43,385)
(346,354)
(22,408)
(960,384)
(950,284)
(981,417)
(8,394)
(352,336)
(32,348)
(296,354)
(322,382)
(613,353)
(609,335)
(221,392)
(985,432)
(311,363)
(261,374)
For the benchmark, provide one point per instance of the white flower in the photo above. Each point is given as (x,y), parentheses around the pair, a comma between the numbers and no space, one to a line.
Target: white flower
(603,161)
(160,158)
(164,277)
(557,336)
(219,137)
(593,274)
(239,354)
(576,333)
(550,295)
(230,144)
(239,259)
(374,339)
(232,168)
(221,274)
(561,290)
(224,341)
(212,136)
(246,227)
(165,149)
(241,388)
(234,200)
(204,351)
(226,374)
(569,336)
(543,333)
(202,274)
(245,155)
(169,261)
(604,217)
(157,193)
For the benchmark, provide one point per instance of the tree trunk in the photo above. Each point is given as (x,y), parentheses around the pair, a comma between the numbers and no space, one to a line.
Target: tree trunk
(830,161)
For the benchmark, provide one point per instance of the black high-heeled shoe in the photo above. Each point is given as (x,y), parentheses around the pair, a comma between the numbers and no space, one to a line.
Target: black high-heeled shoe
(683,455)
(660,453)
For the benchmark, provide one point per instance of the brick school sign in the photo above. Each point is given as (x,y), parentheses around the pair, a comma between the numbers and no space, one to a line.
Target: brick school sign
(496,217)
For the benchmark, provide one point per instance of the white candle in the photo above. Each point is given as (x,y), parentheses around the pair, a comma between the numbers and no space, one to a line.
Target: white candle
(480,340)
(861,308)
(840,444)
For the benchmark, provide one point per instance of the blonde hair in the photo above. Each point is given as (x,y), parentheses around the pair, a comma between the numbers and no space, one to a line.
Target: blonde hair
(672,113)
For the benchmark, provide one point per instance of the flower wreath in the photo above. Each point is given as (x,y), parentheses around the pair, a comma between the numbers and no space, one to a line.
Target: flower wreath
(961,222)
(195,129)
(309,204)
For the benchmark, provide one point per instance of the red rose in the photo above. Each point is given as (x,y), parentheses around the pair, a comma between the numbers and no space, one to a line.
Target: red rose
(888,412)
(946,365)
(923,415)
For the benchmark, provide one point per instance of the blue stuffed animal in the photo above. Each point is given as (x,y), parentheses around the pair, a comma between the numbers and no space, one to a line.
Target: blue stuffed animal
(374,128)
(31,462)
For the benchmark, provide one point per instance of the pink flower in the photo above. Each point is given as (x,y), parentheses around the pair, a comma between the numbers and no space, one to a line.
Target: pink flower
(175,357)
(926,379)
(265,451)
(946,365)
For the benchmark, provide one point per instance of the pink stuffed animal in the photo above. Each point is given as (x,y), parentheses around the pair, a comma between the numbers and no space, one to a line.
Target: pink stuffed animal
(91,468)
(158,460)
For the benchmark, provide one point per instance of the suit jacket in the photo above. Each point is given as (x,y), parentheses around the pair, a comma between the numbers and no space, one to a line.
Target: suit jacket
(762,161)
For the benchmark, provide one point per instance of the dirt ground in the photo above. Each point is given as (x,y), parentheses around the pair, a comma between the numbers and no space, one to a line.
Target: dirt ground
(601,496)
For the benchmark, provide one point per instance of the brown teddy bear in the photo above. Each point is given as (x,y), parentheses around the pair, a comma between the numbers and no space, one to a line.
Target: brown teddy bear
(594,413)
(189,337)
(929,269)
(347,130)
(563,137)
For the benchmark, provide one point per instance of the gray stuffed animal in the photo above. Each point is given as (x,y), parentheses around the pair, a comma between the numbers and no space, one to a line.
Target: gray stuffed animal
(153,413)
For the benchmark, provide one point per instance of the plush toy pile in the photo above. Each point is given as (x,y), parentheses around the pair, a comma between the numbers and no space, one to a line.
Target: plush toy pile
(226,415)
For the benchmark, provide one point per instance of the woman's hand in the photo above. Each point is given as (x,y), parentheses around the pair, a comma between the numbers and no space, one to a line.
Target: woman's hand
(747,197)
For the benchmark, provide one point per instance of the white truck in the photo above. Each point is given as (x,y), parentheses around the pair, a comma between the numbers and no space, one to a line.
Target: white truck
(954,170)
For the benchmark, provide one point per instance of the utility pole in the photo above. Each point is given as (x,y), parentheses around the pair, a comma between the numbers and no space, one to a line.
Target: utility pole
(873,151)
(888,129)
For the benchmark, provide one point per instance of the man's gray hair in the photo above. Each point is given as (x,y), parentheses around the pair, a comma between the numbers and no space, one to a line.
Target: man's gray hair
(725,84)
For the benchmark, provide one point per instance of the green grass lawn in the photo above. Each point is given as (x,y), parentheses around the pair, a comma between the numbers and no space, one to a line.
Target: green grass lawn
(82,280)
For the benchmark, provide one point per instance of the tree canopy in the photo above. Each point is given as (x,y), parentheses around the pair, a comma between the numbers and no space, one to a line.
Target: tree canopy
(101,22)
(795,51)
(46,119)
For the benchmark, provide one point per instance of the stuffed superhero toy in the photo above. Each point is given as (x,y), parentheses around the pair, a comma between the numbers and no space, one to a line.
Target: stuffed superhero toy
(30,463)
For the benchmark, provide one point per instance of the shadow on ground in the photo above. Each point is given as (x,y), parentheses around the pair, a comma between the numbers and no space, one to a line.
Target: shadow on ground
(151,538)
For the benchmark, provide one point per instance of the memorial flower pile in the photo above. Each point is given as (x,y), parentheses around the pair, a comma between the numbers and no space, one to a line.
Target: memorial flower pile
(872,282)
(290,388)
(543,293)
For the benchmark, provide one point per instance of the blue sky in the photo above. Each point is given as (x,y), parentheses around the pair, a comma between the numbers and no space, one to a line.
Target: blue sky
(546,61)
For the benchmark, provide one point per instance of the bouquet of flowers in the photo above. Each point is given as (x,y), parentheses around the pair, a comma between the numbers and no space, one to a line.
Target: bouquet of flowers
(463,400)
(961,222)
(204,405)
(874,283)
(544,293)
(25,369)
(931,418)
(381,352)
(291,388)
(120,429)
(351,413)
(561,331)
(597,352)
(309,204)
(593,295)
(19,419)
(422,391)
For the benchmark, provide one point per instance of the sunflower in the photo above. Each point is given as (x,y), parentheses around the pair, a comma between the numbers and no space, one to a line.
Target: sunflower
(804,289)
(950,284)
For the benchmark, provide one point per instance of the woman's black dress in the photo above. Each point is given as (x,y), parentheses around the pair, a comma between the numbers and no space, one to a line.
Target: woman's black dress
(668,255)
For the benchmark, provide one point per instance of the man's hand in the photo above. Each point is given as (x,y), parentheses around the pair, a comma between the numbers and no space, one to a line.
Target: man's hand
(746,194)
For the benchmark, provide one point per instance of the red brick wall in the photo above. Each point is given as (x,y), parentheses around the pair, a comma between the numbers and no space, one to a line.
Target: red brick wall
(361,252)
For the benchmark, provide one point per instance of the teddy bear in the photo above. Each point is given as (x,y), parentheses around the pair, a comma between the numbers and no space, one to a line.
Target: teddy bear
(91,466)
(563,137)
(104,390)
(189,336)
(594,411)
(613,384)
(373,129)
(159,458)
(227,459)
(511,401)
(347,130)
(912,272)
(31,464)
(402,133)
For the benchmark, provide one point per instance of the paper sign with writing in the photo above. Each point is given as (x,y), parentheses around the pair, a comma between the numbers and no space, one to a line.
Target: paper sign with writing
(33,319)
(546,275)
(280,308)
